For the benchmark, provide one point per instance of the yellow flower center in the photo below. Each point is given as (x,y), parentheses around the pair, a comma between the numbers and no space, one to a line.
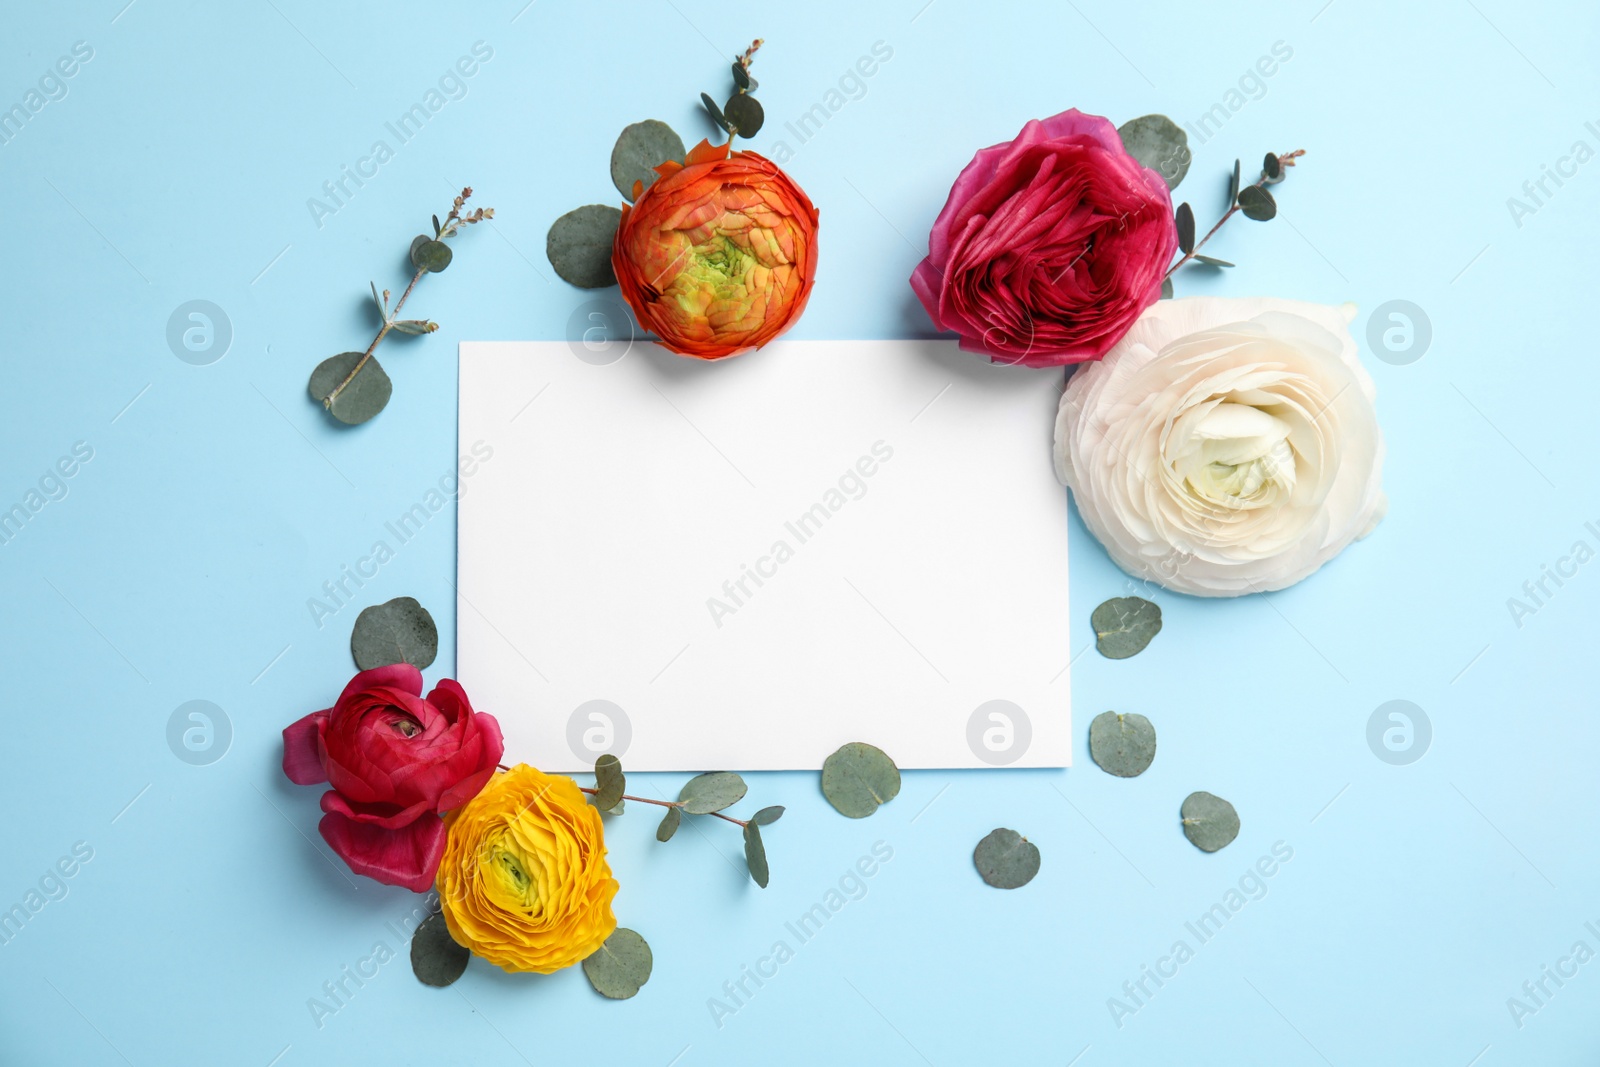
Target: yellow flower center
(511,884)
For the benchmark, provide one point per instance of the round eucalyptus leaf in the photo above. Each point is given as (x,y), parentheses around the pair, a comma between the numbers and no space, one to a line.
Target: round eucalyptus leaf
(436,959)
(768,816)
(1272,167)
(579,245)
(1124,625)
(430,255)
(669,824)
(1166,288)
(642,147)
(744,114)
(1006,859)
(621,966)
(1257,203)
(1209,822)
(1185,220)
(609,782)
(858,778)
(741,76)
(366,395)
(399,631)
(1160,144)
(706,793)
(755,855)
(1123,745)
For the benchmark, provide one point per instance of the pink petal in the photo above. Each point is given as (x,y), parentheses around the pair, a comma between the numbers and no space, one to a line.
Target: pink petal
(406,857)
(402,676)
(387,816)
(302,750)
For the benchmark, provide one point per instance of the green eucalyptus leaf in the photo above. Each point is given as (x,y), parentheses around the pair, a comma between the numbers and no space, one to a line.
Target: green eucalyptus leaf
(579,245)
(1160,144)
(1257,203)
(609,782)
(1166,288)
(741,76)
(621,966)
(859,777)
(383,309)
(1124,625)
(366,395)
(397,631)
(430,255)
(768,816)
(744,114)
(437,229)
(1185,219)
(1211,261)
(1006,859)
(755,854)
(714,111)
(436,959)
(1272,167)
(641,148)
(414,326)
(1123,745)
(669,824)
(1233,184)
(1209,822)
(706,793)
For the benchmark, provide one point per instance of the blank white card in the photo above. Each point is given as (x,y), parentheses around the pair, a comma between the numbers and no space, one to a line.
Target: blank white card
(742,565)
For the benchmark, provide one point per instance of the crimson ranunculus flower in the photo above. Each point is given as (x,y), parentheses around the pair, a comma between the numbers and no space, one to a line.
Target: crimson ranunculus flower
(395,761)
(717,256)
(1050,245)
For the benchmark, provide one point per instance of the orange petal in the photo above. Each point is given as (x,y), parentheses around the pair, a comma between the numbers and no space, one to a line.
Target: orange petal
(706,152)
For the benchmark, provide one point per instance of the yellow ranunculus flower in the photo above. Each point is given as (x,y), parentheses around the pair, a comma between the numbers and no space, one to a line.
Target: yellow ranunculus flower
(524,881)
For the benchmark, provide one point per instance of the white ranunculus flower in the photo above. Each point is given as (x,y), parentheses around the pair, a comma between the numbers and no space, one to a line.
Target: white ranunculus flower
(1225,446)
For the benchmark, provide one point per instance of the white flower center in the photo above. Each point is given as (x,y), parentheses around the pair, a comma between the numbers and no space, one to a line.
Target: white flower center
(1235,455)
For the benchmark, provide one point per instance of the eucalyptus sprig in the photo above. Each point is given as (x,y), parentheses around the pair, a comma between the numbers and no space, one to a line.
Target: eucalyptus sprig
(1254,200)
(1161,145)
(353,386)
(742,115)
(704,794)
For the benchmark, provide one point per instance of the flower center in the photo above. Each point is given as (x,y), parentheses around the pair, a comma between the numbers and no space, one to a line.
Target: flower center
(512,882)
(1238,456)
(722,260)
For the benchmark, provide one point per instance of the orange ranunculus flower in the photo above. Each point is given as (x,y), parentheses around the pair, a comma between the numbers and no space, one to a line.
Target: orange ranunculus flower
(524,881)
(717,256)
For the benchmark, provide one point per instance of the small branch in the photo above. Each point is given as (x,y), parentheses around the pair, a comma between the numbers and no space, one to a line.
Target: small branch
(1286,160)
(750,53)
(665,804)
(452,224)
(383,331)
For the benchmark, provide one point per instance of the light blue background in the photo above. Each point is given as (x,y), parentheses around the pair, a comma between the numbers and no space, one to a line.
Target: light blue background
(1419,898)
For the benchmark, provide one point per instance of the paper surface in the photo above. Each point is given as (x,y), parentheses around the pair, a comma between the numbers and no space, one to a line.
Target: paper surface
(743,565)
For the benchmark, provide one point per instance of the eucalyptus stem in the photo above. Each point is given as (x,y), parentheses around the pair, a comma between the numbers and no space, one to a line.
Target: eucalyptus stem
(383,331)
(1285,160)
(391,315)
(666,804)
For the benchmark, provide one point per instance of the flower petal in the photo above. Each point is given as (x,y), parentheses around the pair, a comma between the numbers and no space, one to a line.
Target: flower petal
(406,857)
(402,676)
(302,750)
(387,816)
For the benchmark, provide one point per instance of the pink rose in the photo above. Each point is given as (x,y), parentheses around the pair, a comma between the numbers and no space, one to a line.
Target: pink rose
(395,761)
(1050,246)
